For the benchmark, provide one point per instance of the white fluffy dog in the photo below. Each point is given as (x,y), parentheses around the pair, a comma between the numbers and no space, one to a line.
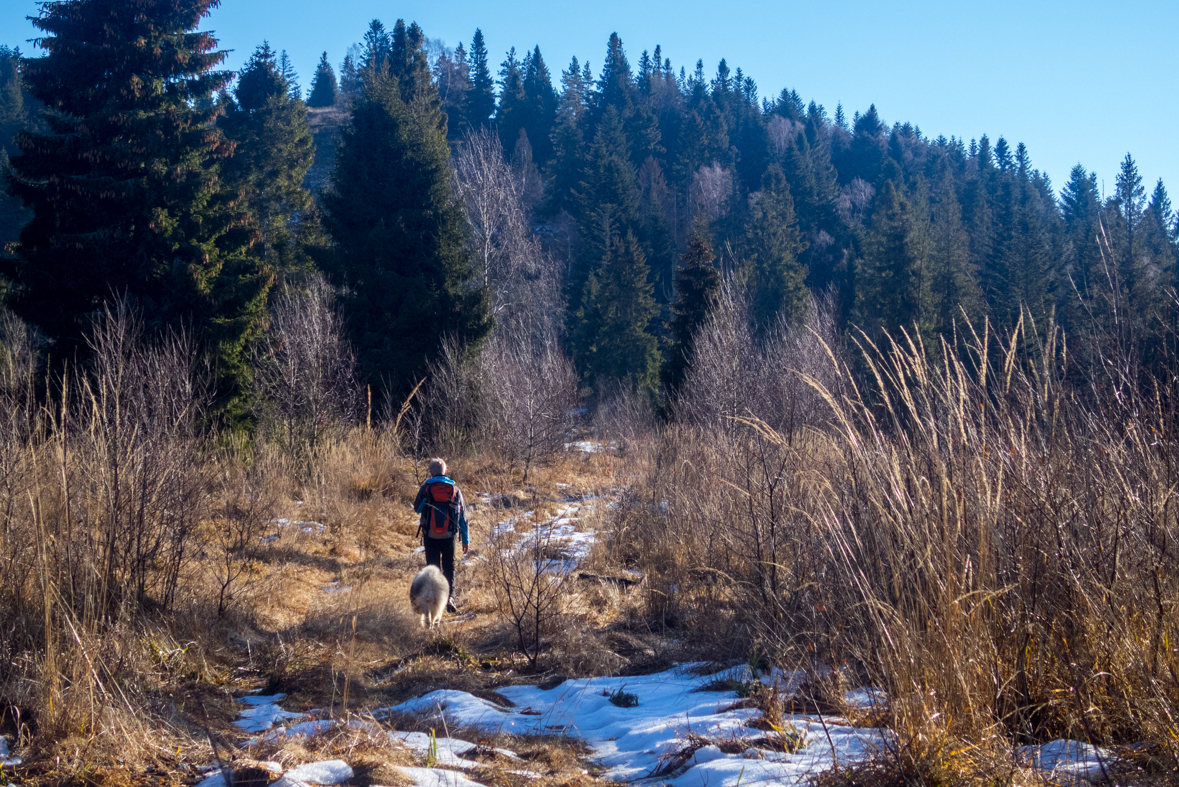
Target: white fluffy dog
(428,594)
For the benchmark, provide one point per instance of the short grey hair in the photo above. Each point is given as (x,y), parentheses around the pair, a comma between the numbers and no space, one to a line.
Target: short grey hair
(437,467)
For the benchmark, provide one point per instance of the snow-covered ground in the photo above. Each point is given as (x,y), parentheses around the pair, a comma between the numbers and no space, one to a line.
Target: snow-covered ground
(676,733)
(562,540)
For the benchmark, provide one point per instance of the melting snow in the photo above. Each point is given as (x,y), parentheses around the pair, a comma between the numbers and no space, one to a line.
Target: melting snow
(633,743)
(437,777)
(328,772)
(1067,758)
(263,712)
(448,751)
(563,545)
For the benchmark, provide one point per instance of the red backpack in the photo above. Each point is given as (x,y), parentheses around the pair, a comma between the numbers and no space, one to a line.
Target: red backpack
(440,522)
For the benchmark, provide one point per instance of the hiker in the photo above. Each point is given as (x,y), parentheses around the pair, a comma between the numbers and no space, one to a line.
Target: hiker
(440,503)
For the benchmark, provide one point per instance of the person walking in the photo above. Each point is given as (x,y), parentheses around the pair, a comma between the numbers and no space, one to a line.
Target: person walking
(443,515)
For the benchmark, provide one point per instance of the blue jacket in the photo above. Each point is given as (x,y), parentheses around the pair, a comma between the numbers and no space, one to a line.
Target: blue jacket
(419,506)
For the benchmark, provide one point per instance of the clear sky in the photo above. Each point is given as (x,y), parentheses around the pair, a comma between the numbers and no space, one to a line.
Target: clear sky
(1076,80)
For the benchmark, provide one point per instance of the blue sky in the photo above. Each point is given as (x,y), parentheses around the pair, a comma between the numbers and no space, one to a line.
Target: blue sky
(1081,81)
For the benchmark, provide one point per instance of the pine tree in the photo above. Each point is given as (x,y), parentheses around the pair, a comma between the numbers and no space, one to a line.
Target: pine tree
(774,276)
(612,341)
(323,86)
(125,183)
(481,101)
(697,283)
(273,152)
(401,245)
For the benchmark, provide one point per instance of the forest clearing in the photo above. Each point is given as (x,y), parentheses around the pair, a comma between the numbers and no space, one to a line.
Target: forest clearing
(791,447)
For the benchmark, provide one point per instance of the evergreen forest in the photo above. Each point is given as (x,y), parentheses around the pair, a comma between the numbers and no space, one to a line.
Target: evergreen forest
(187,193)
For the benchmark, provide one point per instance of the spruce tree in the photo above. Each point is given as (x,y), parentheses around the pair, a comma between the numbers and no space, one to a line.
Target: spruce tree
(287,69)
(323,86)
(894,285)
(481,101)
(569,137)
(1157,238)
(1129,205)
(865,159)
(612,341)
(607,197)
(377,47)
(540,100)
(955,282)
(401,246)
(349,79)
(452,75)
(697,283)
(14,117)
(1026,252)
(511,114)
(1081,209)
(274,150)
(774,276)
(616,87)
(125,182)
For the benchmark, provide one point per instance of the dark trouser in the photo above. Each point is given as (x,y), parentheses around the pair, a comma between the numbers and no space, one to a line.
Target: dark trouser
(440,552)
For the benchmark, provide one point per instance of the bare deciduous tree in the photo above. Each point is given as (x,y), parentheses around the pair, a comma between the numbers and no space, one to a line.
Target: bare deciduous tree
(736,374)
(532,391)
(524,281)
(712,186)
(782,132)
(304,366)
(854,199)
(136,489)
(529,580)
(492,194)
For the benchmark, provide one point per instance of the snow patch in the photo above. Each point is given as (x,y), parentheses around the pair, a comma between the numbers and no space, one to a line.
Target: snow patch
(1067,758)
(437,777)
(634,743)
(328,772)
(263,713)
(447,751)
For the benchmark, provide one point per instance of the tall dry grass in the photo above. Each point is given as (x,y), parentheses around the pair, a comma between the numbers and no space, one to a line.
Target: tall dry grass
(988,540)
(101,496)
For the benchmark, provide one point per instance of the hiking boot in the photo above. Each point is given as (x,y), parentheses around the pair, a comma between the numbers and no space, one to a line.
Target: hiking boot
(451,608)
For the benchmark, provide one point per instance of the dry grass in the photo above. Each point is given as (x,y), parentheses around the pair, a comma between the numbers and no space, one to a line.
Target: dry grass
(973,531)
